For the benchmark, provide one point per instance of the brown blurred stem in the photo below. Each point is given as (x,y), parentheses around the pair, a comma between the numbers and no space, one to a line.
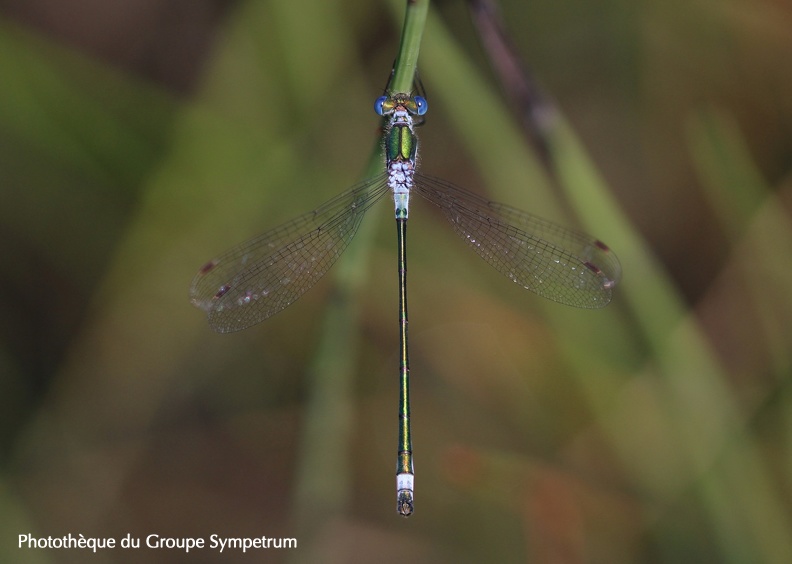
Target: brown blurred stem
(535,109)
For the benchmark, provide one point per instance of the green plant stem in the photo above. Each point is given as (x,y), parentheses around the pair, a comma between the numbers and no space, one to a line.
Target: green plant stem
(409,45)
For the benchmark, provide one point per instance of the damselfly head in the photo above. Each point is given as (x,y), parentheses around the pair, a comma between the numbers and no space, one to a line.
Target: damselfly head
(386,105)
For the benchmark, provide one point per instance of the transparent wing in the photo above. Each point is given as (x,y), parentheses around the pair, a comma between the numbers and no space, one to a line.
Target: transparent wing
(557,263)
(264,275)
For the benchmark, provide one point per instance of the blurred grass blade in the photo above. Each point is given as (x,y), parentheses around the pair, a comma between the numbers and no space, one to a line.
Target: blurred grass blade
(688,367)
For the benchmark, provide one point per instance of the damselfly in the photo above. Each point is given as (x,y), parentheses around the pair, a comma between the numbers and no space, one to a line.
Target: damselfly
(264,275)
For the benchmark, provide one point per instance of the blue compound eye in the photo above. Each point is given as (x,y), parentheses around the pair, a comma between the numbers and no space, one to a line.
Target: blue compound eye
(421,105)
(379,105)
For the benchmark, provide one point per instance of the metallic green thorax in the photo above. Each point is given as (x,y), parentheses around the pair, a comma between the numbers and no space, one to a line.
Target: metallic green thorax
(400,144)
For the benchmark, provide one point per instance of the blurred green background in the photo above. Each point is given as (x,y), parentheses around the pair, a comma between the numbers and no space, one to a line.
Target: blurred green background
(139,139)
